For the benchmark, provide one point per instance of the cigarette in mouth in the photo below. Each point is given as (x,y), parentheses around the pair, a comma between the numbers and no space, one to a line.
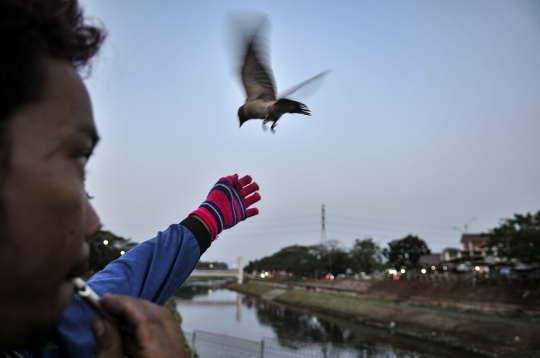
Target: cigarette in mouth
(90,297)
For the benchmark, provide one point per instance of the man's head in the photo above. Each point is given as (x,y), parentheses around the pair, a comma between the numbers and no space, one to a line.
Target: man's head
(46,136)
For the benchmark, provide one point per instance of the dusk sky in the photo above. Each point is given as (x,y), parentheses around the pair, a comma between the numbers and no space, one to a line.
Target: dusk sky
(430,117)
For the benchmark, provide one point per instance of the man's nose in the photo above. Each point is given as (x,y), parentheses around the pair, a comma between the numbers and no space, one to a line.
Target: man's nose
(93,224)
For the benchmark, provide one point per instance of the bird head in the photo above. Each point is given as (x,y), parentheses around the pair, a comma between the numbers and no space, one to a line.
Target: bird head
(241,116)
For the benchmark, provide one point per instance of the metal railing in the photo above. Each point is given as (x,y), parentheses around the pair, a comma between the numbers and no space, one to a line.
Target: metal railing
(213,345)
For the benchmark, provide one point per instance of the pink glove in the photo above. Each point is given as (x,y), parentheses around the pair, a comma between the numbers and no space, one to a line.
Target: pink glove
(227,204)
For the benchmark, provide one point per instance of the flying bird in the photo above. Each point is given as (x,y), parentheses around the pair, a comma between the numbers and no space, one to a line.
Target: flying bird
(258,80)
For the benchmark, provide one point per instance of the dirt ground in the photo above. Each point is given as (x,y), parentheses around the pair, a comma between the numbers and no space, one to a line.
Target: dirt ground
(527,295)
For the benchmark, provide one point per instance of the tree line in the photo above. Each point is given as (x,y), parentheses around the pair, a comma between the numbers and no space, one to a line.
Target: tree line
(516,239)
(332,258)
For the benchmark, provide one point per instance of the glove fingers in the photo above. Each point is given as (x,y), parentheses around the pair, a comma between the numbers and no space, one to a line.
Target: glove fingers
(251,212)
(244,181)
(250,189)
(232,180)
(252,199)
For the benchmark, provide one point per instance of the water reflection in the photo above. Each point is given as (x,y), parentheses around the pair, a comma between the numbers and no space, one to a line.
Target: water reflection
(298,330)
(202,290)
(292,325)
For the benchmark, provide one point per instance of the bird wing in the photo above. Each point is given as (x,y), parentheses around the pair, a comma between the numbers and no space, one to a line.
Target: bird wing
(313,82)
(285,105)
(257,75)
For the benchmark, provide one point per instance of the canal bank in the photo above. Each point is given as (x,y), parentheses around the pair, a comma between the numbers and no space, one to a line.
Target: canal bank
(494,335)
(222,323)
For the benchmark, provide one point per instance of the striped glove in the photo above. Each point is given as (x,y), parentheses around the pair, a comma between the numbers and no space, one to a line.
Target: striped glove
(227,204)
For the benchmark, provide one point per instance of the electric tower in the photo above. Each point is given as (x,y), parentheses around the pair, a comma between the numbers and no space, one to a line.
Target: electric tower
(323,227)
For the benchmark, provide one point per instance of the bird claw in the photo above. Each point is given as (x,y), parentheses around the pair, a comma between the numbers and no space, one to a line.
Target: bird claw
(264,127)
(272,128)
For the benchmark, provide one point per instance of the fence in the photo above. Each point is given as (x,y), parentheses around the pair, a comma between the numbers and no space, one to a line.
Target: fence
(212,345)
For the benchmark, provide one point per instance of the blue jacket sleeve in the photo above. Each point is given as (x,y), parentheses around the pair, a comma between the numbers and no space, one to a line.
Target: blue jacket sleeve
(153,270)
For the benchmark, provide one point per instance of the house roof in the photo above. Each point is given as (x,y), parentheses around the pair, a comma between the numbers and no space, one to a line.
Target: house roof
(431,259)
(473,237)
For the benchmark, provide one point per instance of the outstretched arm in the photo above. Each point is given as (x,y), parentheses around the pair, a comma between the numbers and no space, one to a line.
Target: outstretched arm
(155,269)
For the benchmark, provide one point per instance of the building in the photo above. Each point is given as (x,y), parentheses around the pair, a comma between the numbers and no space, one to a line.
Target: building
(451,254)
(473,242)
(474,253)
(430,260)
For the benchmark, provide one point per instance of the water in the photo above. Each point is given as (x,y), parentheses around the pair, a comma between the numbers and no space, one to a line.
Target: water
(206,307)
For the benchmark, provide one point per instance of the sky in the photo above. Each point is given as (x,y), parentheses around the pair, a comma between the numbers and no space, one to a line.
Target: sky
(428,122)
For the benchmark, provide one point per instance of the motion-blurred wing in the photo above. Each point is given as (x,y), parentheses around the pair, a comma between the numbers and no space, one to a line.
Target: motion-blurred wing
(308,87)
(257,75)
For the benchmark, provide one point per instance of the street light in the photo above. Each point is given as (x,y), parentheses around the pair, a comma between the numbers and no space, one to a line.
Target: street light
(468,223)
(465,226)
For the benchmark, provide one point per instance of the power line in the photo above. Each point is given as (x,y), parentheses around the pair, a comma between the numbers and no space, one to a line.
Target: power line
(391,222)
(297,224)
(311,223)
(349,228)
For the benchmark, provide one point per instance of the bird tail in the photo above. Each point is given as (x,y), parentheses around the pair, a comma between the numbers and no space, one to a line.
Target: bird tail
(290,106)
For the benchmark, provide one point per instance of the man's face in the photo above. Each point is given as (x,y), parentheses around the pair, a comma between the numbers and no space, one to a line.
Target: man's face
(47,217)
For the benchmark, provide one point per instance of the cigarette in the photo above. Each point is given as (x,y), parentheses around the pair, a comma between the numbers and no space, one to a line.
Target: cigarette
(90,297)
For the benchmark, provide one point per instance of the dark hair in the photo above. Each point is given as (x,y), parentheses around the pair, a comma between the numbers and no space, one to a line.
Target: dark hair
(31,30)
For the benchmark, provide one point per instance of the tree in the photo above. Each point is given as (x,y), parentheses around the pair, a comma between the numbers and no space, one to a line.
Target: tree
(106,247)
(366,256)
(308,261)
(517,238)
(406,252)
(334,258)
(301,260)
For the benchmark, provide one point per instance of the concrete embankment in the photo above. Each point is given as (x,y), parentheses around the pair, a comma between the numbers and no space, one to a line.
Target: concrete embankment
(494,334)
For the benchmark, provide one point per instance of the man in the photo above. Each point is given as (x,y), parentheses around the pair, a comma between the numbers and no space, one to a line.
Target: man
(47,134)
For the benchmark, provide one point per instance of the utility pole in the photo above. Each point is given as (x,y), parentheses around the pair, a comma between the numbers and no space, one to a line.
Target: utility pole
(323,228)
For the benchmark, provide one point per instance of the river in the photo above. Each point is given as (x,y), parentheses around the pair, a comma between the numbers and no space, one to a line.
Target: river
(205,306)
